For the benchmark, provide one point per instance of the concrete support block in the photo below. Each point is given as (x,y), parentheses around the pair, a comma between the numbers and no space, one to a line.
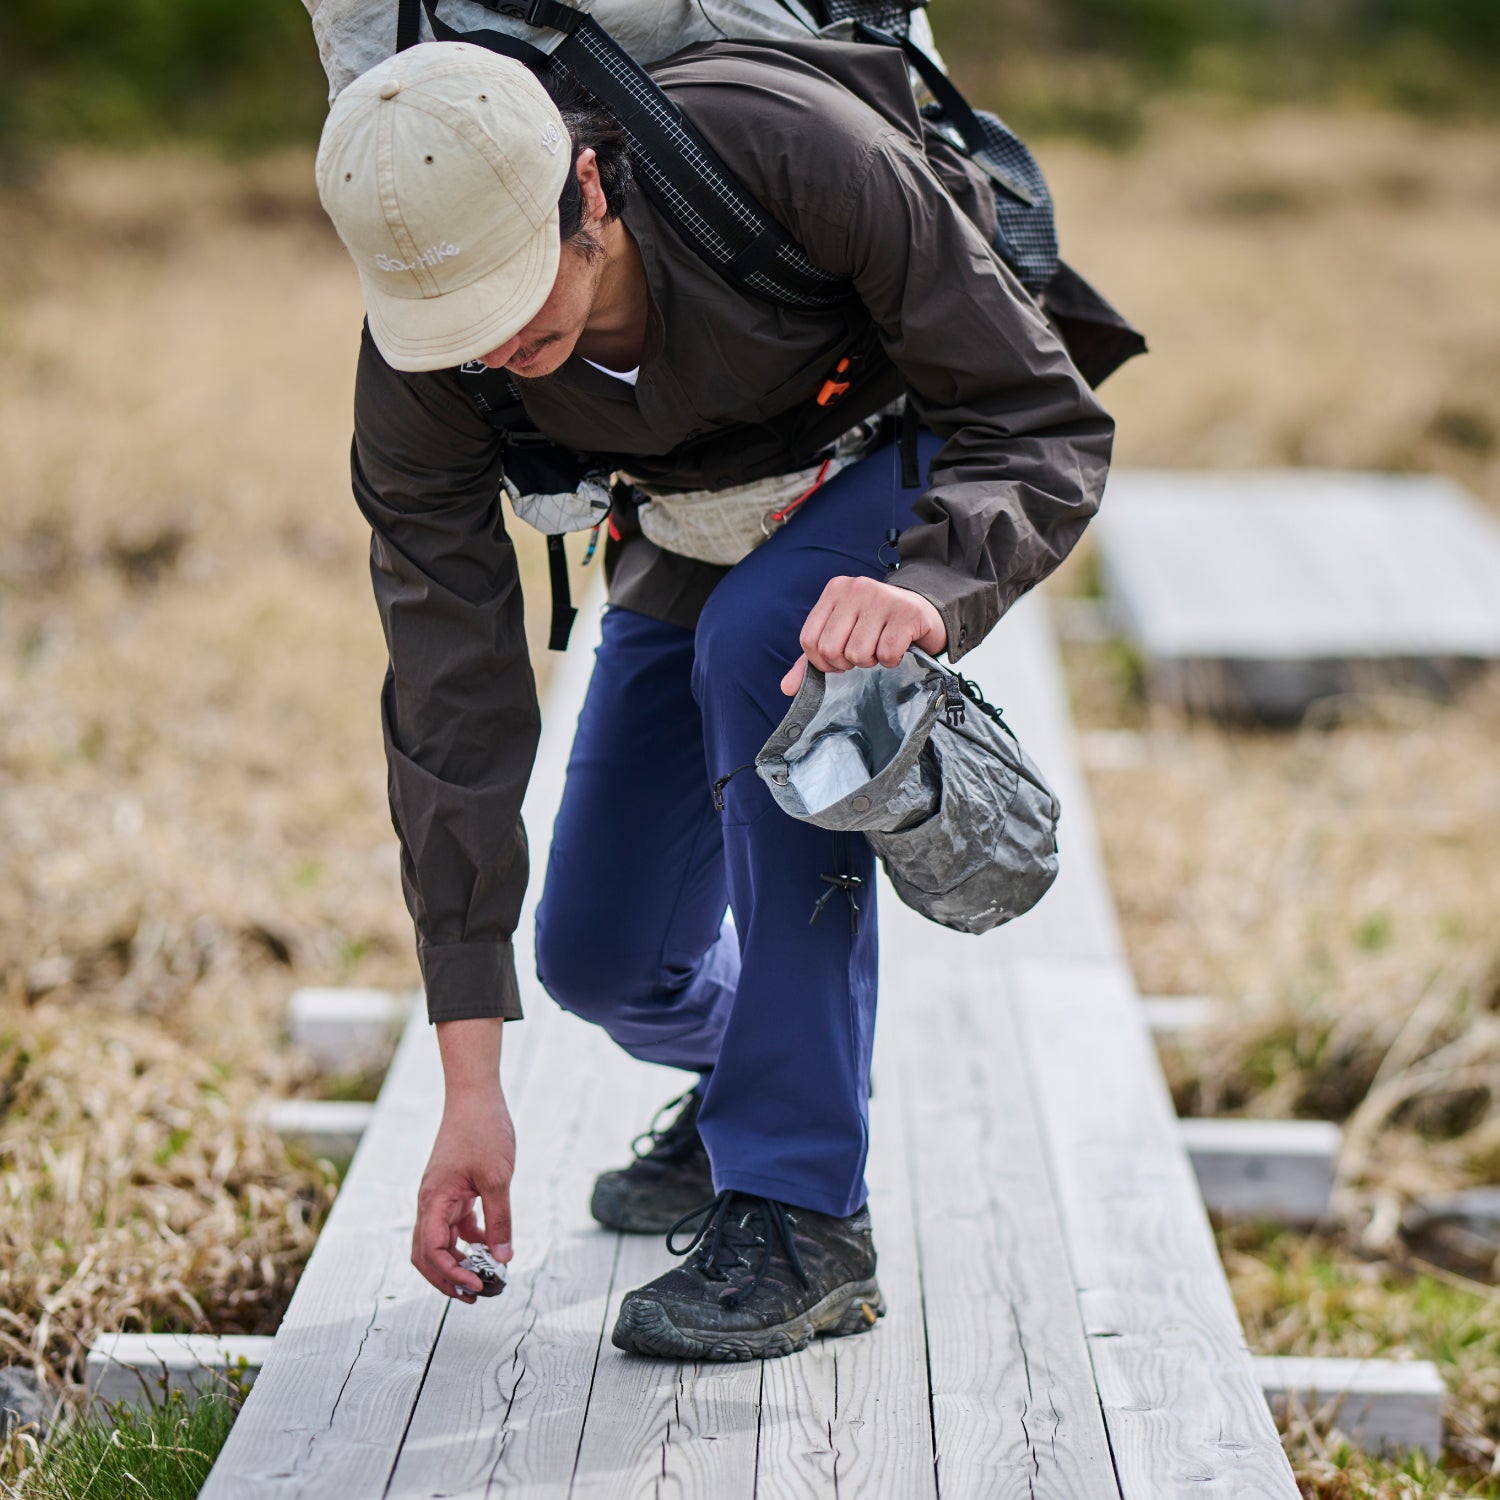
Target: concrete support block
(138,1368)
(347,1030)
(325,1127)
(1381,1405)
(1264,1169)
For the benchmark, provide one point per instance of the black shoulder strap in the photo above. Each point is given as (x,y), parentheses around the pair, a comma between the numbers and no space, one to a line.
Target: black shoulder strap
(408,24)
(685,179)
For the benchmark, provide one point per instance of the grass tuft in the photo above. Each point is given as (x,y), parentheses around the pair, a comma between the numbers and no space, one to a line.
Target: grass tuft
(158,1452)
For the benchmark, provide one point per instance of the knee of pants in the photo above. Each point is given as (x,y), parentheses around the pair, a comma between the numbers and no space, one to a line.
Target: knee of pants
(740,649)
(589,970)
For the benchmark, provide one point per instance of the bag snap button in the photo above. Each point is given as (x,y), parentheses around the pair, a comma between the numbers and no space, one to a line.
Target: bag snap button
(861,804)
(794,731)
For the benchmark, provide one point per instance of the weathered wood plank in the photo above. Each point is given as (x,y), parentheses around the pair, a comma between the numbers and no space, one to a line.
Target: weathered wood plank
(502,1410)
(1383,565)
(1180,1397)
(853,1416)
(1015,1412)
(326,1415)
(660,1427)
(1388,575)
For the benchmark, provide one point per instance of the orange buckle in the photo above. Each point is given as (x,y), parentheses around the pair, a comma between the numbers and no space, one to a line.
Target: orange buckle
(833,387)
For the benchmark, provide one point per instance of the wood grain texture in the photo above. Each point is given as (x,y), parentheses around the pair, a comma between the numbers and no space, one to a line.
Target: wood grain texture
(503,1407)
(1180,1396)
(327,1415)
(852,1417)
(1015,1411)
(327,1412)
(659,1428)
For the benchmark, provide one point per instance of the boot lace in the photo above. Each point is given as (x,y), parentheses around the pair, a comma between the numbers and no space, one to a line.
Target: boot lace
(728,1233)
(671,1142)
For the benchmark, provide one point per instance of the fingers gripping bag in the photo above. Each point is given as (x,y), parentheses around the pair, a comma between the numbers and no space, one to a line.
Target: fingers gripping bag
(914,758)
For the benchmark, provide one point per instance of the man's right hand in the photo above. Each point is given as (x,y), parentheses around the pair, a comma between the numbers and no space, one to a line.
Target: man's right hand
(473,1157)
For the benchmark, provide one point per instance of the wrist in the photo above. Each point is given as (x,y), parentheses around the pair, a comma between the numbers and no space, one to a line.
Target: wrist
(470,1051)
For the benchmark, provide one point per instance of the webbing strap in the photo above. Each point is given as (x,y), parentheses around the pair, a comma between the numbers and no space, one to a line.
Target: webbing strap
(497,41)
(911,464)
(408,24)
(563,613)
(675,166)
(956,108)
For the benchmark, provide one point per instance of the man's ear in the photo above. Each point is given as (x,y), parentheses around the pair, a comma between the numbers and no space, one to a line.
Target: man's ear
(596,205)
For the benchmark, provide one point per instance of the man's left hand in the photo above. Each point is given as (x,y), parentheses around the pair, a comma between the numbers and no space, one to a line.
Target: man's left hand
(861,621)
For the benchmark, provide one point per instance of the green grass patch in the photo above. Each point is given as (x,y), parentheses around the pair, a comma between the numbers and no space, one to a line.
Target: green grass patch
(163,1451)
(1320,1294)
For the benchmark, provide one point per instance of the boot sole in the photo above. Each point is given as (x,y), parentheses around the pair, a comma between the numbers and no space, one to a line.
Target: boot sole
(643,1327)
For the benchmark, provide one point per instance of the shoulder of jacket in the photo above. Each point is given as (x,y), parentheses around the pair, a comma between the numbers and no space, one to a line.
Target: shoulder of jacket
(845,79)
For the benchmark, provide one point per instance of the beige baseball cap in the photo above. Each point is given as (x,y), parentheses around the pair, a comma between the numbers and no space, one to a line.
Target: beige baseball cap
(441,169)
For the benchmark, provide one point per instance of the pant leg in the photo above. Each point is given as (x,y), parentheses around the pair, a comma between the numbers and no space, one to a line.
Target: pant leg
(785,1112)
(630,927)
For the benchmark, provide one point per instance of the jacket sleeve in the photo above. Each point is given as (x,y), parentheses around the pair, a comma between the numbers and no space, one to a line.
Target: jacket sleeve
(1026,446)
(459,705)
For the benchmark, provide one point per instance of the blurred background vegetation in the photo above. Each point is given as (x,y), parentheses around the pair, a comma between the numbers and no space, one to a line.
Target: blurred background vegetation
(244,75)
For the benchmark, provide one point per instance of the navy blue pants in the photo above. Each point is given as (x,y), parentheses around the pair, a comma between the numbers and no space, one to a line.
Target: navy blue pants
(776,1012)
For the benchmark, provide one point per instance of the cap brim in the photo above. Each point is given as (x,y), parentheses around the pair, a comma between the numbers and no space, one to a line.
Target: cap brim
(452,328)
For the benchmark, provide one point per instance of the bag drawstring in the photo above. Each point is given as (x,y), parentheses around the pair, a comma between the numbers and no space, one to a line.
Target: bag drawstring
(838,881)
(724,781)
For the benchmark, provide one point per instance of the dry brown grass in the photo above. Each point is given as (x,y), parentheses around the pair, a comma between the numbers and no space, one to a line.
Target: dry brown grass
(191,786)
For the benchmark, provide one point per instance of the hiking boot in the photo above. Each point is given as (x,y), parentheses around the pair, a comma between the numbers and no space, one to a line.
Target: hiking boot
(761,1279)
(669,1177)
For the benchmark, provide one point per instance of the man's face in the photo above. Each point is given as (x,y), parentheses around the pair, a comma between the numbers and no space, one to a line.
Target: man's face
(548,339)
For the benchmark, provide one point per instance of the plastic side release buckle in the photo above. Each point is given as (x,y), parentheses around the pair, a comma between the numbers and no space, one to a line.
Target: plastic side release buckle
(835,387)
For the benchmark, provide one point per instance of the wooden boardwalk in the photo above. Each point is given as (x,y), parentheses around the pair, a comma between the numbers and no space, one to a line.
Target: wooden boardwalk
(1059,1326)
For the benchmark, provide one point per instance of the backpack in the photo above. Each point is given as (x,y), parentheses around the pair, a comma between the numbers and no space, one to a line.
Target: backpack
(557,489)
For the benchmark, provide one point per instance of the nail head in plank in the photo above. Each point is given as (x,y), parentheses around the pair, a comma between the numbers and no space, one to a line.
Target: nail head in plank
(139,1368)
(1381,1405)
(1272,1169)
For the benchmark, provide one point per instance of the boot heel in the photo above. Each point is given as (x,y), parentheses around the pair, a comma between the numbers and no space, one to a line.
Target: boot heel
(860,1315)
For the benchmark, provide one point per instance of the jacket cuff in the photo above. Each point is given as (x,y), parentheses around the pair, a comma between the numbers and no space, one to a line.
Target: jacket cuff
(470,981)
(968,607)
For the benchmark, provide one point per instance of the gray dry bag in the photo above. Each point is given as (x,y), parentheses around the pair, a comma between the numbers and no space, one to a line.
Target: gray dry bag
(916,760)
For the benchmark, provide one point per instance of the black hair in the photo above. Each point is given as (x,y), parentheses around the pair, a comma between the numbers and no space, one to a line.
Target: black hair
(590,127)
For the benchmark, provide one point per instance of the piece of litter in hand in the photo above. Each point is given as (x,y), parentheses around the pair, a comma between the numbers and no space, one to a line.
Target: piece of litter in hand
(489,1270)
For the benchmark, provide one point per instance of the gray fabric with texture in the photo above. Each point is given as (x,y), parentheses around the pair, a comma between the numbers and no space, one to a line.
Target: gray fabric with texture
(959,814)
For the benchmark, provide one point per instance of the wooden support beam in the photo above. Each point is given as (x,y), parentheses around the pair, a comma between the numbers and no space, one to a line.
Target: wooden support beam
(140,1368)
(347,1030)
(1381,1405)
(1176,1015)
(326,1127)
(1272,1169)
